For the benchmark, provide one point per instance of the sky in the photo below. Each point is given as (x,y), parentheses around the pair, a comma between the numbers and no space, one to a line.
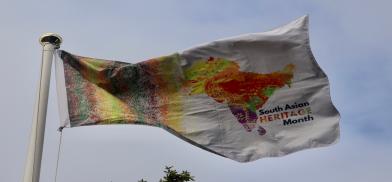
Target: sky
(350,40)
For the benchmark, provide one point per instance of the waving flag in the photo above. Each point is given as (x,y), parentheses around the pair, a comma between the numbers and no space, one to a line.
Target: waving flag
(247,97)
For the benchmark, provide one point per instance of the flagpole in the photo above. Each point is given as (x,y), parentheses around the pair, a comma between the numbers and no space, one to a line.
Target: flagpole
(50,42)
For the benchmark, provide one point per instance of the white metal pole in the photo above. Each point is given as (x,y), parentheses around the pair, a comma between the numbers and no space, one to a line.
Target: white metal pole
(49,42)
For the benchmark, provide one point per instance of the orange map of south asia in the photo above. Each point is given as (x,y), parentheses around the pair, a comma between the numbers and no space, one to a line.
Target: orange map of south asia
(244,92)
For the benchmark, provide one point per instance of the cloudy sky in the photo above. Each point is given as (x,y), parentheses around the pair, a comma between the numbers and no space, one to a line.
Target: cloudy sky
(350,40)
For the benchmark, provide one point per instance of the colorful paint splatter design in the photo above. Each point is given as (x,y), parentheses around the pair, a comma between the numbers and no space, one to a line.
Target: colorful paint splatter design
(112,92)
(244,92)
(152,92)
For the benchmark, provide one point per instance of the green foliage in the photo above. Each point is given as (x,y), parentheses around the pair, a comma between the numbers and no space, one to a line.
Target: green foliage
(171,175)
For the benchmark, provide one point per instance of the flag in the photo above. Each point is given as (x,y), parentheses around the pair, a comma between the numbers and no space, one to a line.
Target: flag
(246,97)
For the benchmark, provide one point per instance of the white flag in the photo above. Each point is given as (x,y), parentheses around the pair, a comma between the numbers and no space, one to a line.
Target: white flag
(247,97)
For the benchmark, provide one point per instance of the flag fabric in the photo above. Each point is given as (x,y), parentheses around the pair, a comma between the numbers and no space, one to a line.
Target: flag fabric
(246,97)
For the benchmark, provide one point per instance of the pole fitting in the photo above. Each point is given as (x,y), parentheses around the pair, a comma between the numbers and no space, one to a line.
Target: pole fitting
(51,38)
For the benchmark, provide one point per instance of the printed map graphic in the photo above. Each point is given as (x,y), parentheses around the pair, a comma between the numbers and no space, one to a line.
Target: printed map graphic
(244,92)
(150,92)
